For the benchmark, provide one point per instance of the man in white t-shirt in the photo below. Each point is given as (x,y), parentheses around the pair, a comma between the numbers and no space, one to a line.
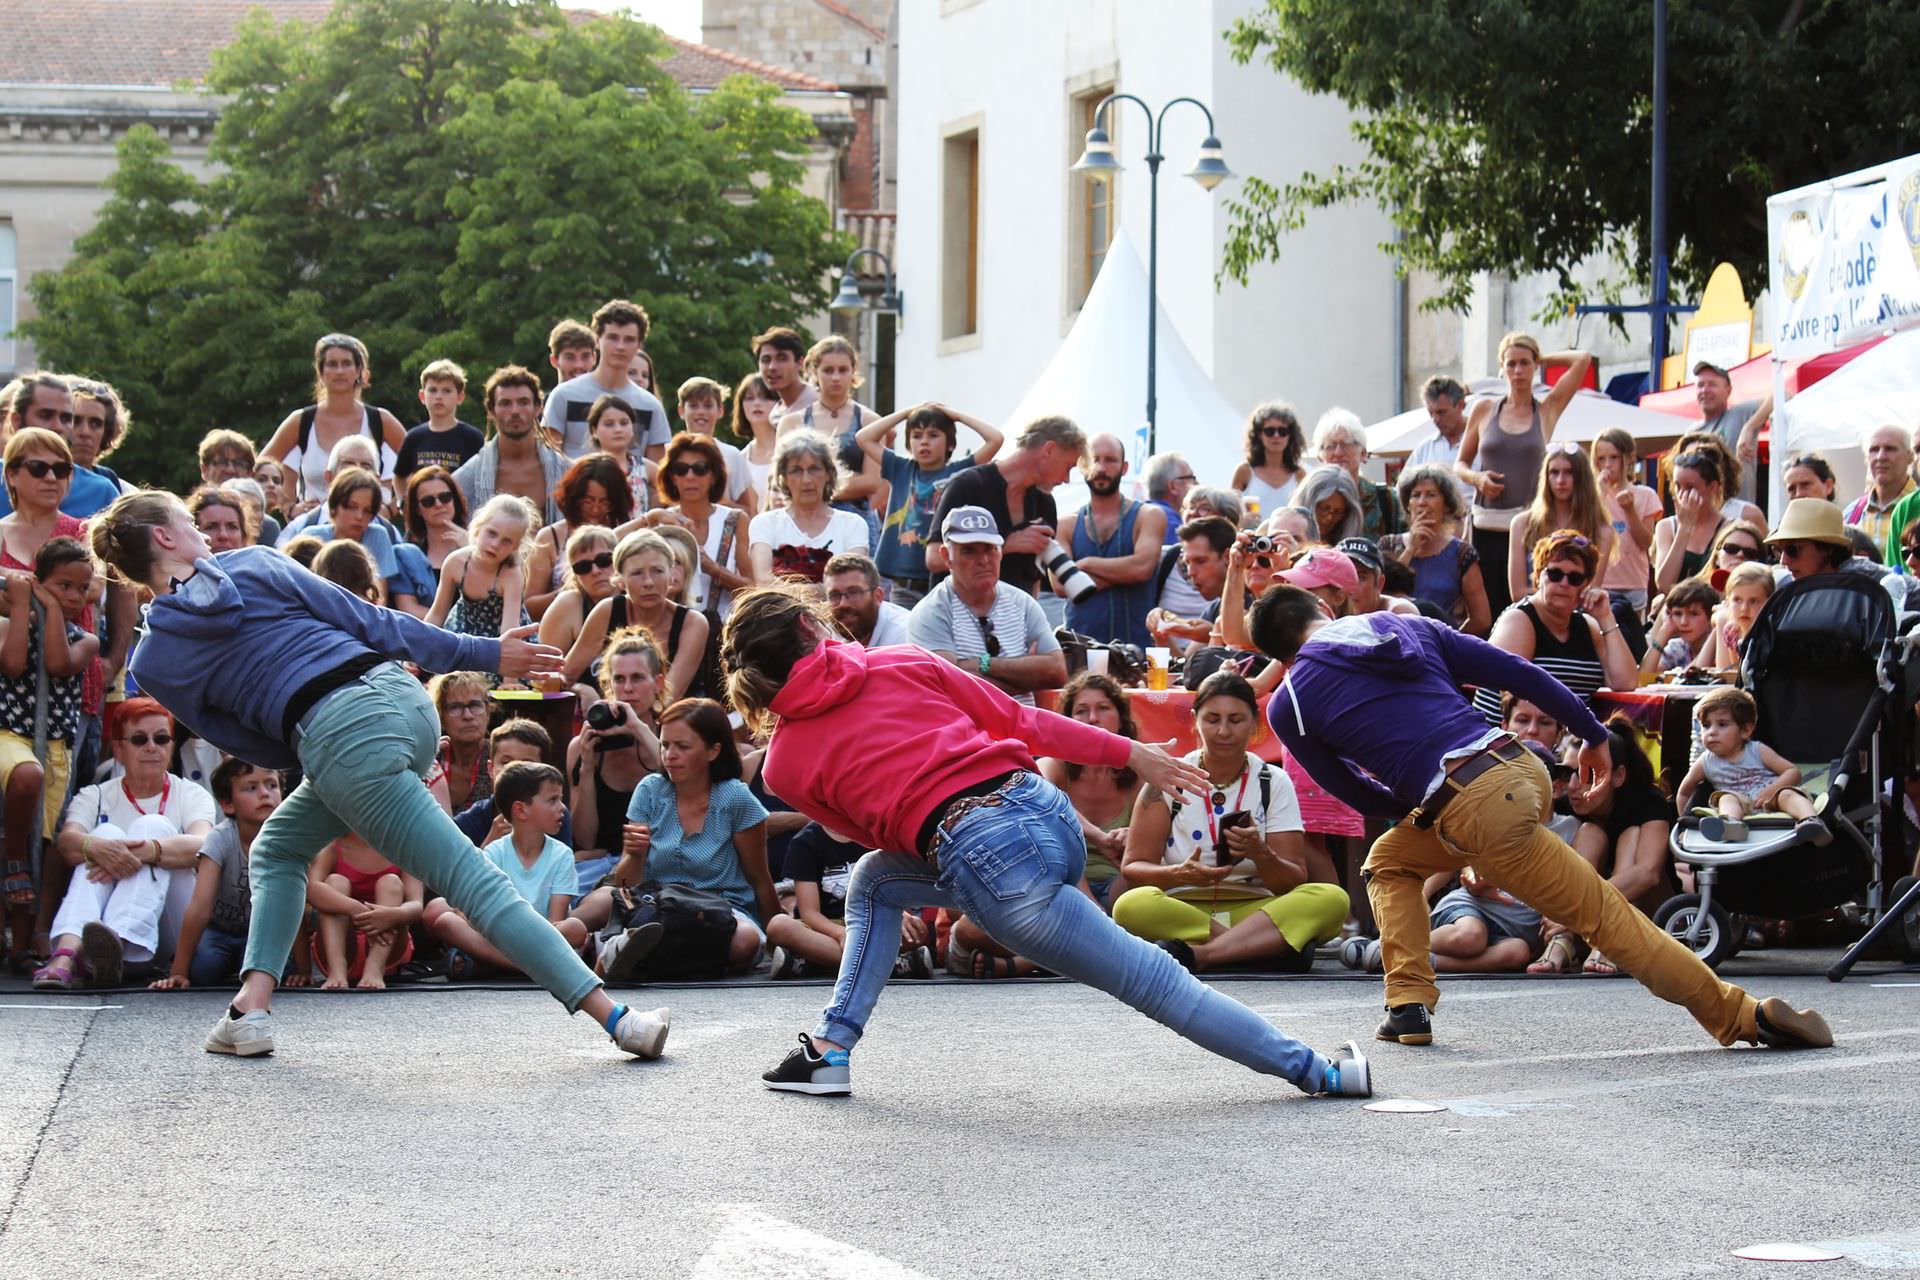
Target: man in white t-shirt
(1446,402)
(981,624)
(619,329)
(859,603)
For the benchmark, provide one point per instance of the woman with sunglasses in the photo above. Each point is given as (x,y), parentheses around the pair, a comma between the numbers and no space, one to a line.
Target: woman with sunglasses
(125,839)
(436,515)
(589,581)
(693,479)
(1568,498)
(1566,627)
(1272,468)
(1741,542)
(593,491)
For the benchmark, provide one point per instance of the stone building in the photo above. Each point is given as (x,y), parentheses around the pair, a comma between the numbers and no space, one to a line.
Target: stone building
(85,71)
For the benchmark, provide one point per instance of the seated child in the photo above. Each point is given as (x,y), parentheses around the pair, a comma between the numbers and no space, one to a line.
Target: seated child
(352,883)
(1684,636)
(531,796)
(1748,589)
(809,941)
(511,740)
(62,575)
(1746,776)
(213,932)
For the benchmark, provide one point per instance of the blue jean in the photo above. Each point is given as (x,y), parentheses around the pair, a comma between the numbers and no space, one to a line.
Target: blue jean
(364,751)
(216,957)
(1014,869)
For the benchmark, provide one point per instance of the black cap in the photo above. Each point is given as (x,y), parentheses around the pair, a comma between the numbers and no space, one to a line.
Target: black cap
(1362,551)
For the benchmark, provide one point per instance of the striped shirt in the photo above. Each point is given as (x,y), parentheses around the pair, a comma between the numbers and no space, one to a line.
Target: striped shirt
(1574,662)
(943,623)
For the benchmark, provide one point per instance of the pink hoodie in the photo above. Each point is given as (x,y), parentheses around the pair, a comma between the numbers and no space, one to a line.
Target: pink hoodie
(870,741)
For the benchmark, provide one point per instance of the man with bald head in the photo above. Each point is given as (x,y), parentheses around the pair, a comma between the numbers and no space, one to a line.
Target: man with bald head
(1117,541)
(1889,453)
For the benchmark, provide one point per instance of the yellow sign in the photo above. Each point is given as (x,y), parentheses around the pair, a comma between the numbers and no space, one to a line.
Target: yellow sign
(1720,331)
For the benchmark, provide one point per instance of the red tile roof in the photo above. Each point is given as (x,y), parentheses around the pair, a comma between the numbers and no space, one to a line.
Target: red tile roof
(159,43)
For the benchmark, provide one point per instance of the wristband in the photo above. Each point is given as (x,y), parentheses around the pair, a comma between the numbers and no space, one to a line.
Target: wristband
(986,664)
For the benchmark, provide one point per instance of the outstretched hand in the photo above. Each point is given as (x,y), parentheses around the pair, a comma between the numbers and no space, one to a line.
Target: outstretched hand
(1151,762)
(521,657)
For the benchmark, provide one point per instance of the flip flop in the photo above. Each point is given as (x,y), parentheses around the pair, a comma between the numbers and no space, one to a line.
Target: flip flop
(1599,965)
(1557,957)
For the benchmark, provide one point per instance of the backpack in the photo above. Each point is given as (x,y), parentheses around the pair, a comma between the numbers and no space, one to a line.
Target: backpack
(699,928)
(312,411)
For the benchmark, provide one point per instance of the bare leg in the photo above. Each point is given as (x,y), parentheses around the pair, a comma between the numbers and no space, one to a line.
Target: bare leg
(1463,939)
(333,942)
(1795,805)
(794,934)
(387,892)
(1509,955)
(595,909)
(1255,938)
(452,928)
(745,947)
(988,953)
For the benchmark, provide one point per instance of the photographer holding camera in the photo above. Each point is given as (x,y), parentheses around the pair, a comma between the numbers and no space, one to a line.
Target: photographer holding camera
(1225,881)
(1116,543)
(619,746)
(980,624)
(1016,490)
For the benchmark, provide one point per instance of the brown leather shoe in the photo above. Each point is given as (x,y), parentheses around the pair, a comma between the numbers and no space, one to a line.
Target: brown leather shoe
(1782,1026)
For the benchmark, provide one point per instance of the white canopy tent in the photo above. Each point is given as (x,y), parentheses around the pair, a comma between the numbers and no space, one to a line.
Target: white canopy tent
(1098,378)
(1836,414)
(1587,415)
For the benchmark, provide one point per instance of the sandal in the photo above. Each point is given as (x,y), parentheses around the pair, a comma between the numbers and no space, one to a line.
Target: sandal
(1599,965)
(461,967)
(1557,957)
(19,885)
(48,978)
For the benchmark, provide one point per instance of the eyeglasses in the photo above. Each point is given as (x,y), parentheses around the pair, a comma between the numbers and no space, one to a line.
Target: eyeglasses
(442,499)
(40,468)
(477,707)
(1740,549)
(1276,432)
(1910,550)
(986,633)
(1573,577)
(849,595)
(604,560)
(1187,477)
(141,739)
(698,468)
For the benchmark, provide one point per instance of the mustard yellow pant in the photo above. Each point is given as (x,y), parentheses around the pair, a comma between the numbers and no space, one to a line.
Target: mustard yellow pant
(1494,825)
(1304,916)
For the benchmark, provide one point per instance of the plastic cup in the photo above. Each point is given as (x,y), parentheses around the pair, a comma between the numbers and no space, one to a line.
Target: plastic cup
(1157,659)
(1097,661)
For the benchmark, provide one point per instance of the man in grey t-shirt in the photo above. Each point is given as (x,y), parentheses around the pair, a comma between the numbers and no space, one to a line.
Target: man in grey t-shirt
(1737,424)
(981,624)
(620,332)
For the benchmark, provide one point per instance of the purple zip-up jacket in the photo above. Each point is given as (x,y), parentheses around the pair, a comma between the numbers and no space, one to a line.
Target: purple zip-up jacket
(1381,692)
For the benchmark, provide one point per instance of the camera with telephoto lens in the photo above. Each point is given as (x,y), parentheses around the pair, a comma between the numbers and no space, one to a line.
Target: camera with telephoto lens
(602,716)
(1073,581)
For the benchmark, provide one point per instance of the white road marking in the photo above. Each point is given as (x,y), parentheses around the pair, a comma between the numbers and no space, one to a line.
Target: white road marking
(1503,1103)
(753,1245)
(65,1008)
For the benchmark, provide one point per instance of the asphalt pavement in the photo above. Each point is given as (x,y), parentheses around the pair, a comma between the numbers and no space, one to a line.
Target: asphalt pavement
(997,1129)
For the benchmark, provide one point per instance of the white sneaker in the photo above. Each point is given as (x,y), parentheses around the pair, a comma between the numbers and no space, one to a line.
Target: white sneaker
(642,1033)
(248,1036)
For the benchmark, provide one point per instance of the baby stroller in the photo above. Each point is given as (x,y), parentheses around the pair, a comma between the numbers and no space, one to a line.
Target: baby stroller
(1835,681)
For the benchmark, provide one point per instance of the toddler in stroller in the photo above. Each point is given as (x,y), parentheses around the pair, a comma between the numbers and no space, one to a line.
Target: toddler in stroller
(1745,776)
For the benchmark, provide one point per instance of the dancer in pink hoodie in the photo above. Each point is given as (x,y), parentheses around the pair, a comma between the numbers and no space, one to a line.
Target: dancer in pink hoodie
(934,769)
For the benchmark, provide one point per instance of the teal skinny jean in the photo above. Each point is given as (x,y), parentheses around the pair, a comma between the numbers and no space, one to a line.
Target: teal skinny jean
(364,750)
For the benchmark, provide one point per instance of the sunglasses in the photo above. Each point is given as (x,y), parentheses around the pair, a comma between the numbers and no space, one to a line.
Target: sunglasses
(141,739)
(1572,577)
(442,499)
(986,633)
(688,468)
(40,468)
(1909,551)
(1739,549)
(1788,550)
(604,560)
(1276,432)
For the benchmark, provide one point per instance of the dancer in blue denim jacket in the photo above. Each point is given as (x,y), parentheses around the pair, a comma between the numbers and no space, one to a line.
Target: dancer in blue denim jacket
(273,664)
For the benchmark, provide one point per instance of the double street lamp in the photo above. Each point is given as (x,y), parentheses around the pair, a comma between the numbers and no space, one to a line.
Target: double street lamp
(1097,162)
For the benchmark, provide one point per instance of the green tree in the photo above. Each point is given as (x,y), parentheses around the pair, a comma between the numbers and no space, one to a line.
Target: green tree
(440,178)
(1516,135)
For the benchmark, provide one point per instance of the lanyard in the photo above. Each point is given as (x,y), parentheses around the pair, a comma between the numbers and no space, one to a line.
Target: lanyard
(1217,804)
(166,789)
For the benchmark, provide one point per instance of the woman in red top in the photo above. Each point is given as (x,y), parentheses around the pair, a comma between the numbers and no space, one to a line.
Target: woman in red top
(902,751)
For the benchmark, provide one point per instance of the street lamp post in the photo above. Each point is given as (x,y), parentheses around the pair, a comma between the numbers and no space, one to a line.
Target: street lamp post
(1097,162)
(850,301)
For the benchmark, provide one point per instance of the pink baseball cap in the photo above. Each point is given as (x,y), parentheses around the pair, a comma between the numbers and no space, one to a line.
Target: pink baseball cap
(1322,567)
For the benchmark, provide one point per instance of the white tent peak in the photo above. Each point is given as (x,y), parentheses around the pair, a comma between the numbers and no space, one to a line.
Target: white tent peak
(1098,378)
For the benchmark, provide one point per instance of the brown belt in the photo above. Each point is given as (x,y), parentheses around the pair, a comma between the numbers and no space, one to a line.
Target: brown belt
(1464,771)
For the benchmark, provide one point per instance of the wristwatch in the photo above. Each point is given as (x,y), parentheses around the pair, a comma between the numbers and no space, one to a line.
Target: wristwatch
(986,664)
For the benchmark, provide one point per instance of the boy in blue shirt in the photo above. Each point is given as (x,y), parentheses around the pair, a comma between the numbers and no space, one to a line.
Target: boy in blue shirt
(531,797)
(915,482)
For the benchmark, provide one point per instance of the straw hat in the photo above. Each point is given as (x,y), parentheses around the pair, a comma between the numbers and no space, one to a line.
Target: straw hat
(1812,520)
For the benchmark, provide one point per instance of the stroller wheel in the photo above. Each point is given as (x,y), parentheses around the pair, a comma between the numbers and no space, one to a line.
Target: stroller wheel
(1714,938)
(1908,930)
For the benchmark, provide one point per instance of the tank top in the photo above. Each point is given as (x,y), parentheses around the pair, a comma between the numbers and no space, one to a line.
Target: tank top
(1746,775)
(1574,662)
(1436,578)
(1270,497)
(1518,458)
(312,463)
(610,805)
(1691,562)
(1115,614)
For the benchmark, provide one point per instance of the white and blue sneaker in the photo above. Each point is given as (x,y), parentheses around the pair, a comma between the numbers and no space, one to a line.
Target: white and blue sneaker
(247,1036)
(804,1071)
(1348,1075)
(643,1033)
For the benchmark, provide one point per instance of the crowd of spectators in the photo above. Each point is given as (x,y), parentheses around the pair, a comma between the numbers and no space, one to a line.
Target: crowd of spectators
(581,510)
